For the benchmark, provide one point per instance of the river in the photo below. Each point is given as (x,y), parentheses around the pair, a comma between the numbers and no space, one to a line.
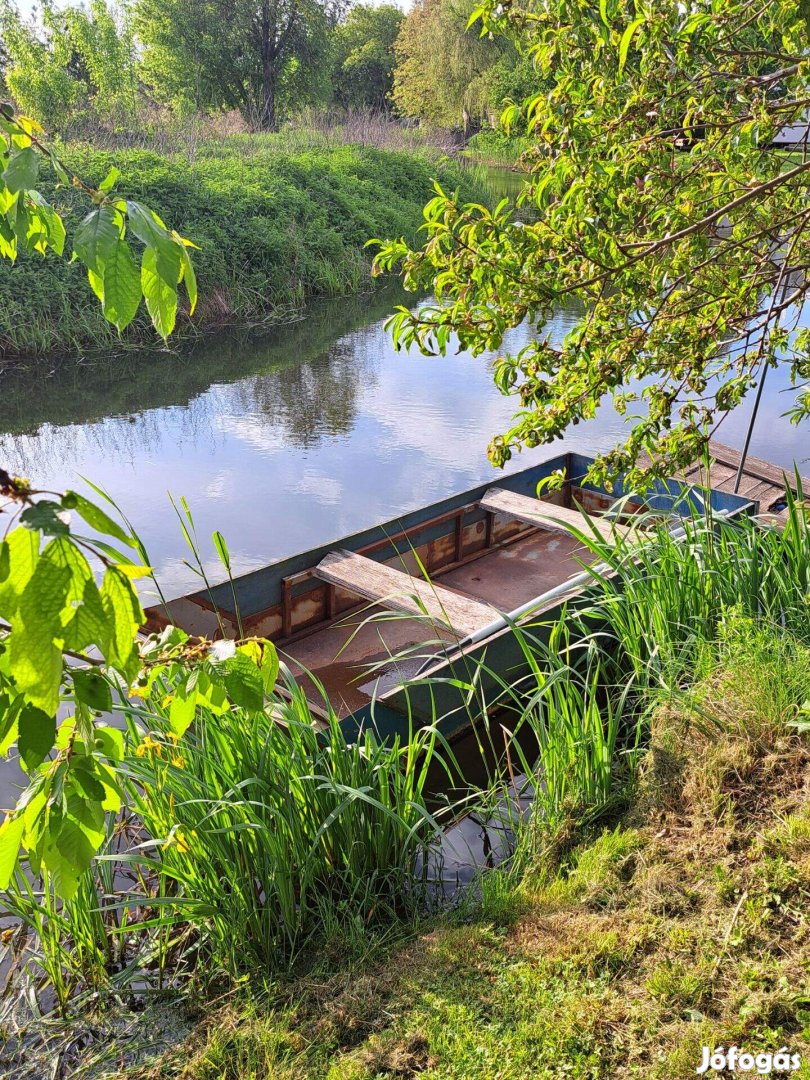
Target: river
(290,438)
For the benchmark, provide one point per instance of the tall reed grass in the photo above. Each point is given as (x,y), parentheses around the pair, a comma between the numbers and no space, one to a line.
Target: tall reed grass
(263,831)
(662,601)
(263,820)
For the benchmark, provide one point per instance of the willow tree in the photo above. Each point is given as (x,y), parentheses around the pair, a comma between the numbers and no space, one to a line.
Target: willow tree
(443,67)
(660,204)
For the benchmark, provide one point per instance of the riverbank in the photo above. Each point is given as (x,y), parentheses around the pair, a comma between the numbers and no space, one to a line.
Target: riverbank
(680,923)
(277,222)
(493,146)
(654,901)
(675,921)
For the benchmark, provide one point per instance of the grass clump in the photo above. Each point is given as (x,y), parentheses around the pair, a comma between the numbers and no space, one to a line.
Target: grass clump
(276,222)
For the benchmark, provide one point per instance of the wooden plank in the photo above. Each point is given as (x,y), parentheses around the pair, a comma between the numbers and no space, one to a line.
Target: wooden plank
(761,491)
(546,515)
(755,467)
(400,592)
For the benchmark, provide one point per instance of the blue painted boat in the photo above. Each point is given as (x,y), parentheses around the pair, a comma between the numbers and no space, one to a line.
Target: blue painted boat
(430,593)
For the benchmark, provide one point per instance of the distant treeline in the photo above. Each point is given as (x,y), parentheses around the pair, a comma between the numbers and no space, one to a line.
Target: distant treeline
(145,64)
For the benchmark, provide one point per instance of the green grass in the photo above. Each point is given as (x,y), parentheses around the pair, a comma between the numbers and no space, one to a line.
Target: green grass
(277,221)
(498,148)
(625,951)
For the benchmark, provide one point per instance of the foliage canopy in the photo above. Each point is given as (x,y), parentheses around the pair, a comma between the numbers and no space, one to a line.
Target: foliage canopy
(243,55)
(364,56)
(443,70)
(659,205)
(76,64)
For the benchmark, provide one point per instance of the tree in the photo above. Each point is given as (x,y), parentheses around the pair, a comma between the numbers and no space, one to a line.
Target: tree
(442,68)
(74,63)
(364,56)
(661,206)
(250,55)
(69,648)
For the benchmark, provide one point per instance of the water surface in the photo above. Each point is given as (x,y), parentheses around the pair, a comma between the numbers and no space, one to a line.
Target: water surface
(294,437)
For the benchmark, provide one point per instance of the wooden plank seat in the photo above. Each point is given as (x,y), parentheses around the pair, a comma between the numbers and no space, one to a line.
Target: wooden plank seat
(398,591)
(546,515)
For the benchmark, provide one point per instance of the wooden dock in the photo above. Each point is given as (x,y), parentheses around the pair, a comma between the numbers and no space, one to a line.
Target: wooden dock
(761,482)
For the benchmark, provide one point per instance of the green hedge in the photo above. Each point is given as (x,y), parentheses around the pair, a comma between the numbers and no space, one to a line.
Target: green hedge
(274,227)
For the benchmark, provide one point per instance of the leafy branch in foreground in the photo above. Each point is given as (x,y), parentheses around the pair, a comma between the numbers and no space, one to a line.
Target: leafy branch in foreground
(70,656)
(659,205)
(102,241)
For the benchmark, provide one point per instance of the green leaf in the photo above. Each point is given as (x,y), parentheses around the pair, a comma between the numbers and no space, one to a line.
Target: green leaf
(181,712)
(270,666)
(241,680)
(46,517)
(222,549)
(95,238)
(22,171)
(169,262)
(36,661)
(90,786)
(88,814)
(190,278)
(124,615)
(37,735)
(83,618)
(122,286)
(96,518)
(161,297)
(627,37)
(110,180)
(146,225)
(54,223)
(92,689)
(74,846)
(110,743)
(18,559)
(11,833)
(8,722)
(64,873)
(113,794)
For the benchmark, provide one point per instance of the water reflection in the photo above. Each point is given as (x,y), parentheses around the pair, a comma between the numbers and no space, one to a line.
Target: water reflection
(288,439)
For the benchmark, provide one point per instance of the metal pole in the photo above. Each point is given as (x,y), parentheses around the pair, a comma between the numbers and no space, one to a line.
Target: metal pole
(749,433)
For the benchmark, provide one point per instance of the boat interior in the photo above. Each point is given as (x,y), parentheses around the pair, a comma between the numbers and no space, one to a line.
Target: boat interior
(360,617)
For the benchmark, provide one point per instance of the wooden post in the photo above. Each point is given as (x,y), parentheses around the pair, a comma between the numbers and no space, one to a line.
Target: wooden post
(286,609)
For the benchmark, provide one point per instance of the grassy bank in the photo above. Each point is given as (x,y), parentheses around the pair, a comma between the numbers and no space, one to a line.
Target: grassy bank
(497,148)
(621,953)
(655,901)
(277,221)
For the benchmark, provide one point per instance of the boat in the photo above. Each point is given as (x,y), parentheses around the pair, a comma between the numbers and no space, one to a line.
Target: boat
(389,621)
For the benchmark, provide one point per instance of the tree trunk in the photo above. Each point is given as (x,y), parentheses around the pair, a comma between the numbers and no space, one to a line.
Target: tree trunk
(267,119)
